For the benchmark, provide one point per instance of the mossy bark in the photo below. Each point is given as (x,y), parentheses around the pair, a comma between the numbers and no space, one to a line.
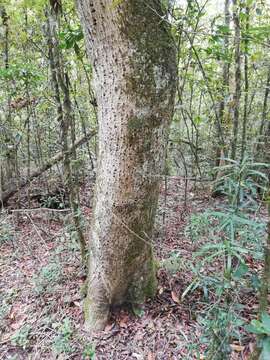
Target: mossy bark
(133,57)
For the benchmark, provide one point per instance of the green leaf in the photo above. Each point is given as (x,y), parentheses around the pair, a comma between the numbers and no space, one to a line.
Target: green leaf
(191,287)
(255,282)
(241,271)
(206,248)
(265,354)
(256,327)
(138,311)
(266,321)
(224,29)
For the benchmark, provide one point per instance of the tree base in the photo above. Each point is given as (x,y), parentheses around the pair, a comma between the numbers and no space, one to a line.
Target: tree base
(97,305)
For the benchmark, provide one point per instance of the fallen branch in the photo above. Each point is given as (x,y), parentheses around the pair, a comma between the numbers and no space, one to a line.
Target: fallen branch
(54,160)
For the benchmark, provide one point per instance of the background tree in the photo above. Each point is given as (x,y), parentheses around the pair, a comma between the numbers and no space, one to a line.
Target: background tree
(237,75)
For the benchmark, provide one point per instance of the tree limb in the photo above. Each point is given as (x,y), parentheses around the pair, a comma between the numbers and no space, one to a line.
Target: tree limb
(54,160)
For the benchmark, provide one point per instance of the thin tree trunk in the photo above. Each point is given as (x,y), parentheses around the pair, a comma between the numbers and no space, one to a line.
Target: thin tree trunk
(6,37)
(265,277)
(84,131)
(66,119)
(237,93)
(225,83)
(73,189)
(265,281)
(8,150)
(53,66)
(245,116)
(262,130)
(134,64)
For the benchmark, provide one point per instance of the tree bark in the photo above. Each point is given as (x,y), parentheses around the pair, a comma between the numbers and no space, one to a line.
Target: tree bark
(134,63)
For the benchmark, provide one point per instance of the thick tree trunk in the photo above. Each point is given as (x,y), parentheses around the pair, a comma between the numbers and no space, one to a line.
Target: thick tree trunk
(133,57)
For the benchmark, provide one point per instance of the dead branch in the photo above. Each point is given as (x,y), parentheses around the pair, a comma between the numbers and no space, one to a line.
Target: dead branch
(54,160)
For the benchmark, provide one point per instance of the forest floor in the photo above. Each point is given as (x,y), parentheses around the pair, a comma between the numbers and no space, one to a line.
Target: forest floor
(41,299)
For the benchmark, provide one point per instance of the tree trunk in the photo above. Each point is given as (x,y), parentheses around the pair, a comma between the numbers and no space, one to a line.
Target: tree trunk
(237,93)
(246,66)
(265,279)
(60,81)
(134,65)
(226,63)
(221,151)
(262,138)
(5,19)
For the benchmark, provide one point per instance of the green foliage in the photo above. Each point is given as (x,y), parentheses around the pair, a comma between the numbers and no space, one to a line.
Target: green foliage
(34,4)
(198,226)
(259,33)
(173,263)
(21,337)
(89,352)
(21,72)
(70,38)
(4,309)
(216,47)
(233,234)
(6,300)
(138,311)
(237,228)
(53,202)
(233,231)
(262,329)
(221,327)
(241,181)
(6,230)
(47,278)
(62,342)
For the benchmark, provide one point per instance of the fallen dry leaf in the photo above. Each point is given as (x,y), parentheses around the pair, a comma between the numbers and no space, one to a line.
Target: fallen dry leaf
(123,323)
(18,324)
(151,356)
(175,297)
(237,348)
(109,327)
(137,356)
